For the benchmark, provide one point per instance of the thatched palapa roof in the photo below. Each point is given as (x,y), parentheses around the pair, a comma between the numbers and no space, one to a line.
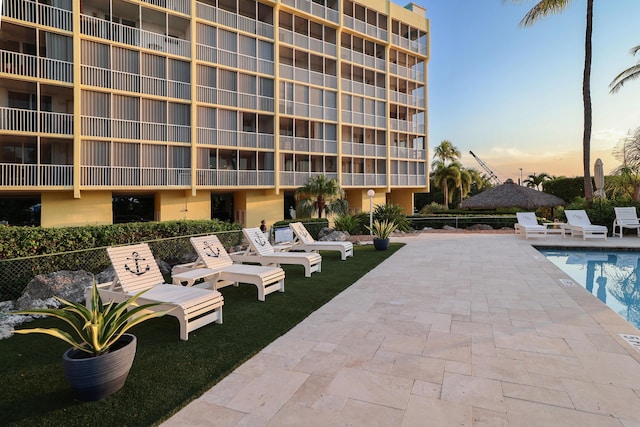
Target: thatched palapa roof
(511,195)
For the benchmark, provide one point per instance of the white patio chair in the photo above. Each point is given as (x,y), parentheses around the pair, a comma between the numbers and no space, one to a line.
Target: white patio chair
(305,242)
(578,223)
(261,252)
(528,226)
(626,218)
(216,267)
(137,270)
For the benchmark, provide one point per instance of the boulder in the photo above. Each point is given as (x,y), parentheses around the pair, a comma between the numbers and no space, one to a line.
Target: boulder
(68,285)
(480,227)
(106,276)
(335,236)
(324,231)
(448,227)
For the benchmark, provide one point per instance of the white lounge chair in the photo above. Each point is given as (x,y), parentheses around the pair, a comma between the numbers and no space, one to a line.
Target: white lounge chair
(528,225)
(305,242)
(626,218)
(578,223)
(137,270)
(261,252)
(216,267)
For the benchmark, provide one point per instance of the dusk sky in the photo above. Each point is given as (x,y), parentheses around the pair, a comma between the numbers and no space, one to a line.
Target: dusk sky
(513,95)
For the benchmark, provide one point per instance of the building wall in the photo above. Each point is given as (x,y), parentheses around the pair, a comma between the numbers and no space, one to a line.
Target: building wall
(181,205)
(189,98)
(403,198)
(61,209)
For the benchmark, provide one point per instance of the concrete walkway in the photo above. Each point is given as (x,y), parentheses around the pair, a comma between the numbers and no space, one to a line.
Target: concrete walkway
(453,330)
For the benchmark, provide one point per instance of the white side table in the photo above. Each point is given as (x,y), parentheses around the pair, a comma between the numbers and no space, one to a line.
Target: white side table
(555,228)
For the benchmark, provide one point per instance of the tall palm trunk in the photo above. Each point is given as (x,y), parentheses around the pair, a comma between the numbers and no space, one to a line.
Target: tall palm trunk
(586,97)
(445,190)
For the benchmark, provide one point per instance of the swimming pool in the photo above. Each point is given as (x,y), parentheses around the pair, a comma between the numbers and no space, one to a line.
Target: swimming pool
(613,277)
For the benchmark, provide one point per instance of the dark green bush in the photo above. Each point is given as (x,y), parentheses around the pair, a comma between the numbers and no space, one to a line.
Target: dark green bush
(392,213)
(568,189)
(352,224)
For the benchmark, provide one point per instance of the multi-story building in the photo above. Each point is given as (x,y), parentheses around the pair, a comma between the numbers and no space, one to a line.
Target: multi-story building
(212,108)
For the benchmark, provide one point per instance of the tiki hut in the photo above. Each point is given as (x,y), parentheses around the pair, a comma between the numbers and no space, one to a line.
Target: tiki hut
(511,195)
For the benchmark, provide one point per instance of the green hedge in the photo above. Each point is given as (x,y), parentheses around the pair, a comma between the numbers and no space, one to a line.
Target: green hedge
(18,242)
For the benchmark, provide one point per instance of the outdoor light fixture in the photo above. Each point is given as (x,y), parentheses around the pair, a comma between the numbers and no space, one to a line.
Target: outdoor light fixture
(371,193)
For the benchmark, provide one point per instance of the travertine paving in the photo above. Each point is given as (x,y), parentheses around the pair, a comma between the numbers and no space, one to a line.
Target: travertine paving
(453,330)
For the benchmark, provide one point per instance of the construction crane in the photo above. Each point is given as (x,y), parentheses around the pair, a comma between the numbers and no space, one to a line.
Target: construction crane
(492,175)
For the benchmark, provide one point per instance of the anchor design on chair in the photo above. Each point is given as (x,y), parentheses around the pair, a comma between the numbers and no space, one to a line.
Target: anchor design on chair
(215,252)
(136,259)
(259,239)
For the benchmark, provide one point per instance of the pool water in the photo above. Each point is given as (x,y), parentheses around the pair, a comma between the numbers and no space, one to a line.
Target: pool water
(613,277)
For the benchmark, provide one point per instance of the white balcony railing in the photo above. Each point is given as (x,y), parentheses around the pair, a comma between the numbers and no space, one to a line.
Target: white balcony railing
(31,175)
(297,179)
(15,119)
(40,13)
(228,178)
(110,176)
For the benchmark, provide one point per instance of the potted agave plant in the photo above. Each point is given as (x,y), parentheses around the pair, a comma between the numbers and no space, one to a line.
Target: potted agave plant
(381,231)
(98,363)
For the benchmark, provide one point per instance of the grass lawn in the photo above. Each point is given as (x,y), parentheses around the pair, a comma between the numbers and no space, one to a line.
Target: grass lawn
(168,373)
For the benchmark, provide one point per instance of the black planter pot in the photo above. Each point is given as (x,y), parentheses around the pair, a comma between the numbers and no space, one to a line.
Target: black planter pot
(381,244)
(94,378)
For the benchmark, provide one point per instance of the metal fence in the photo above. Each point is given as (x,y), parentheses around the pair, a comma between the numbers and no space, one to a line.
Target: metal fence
(16,273)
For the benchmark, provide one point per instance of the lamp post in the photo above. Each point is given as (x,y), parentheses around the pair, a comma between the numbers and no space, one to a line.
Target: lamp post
(520,183)
(371,193)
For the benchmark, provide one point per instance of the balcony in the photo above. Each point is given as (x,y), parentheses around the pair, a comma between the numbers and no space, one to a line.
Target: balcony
(96,27)
(308,145)
(365,28)
(44,122)
(408,153)
(306,42)
(362,179)
(412,45)
(233,20)
(232,138)
(408,180)
(38,13)
(148,131)
(111,176)
(298,179)
(232,178)
(32,175)
(304,75)
(175,5)
(20,64)
(315,9)
(406,126)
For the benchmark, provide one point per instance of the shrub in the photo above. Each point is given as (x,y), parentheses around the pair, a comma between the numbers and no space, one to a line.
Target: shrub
(349,223)
(392,213)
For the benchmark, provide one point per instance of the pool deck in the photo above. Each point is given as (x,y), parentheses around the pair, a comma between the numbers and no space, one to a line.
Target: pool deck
(453,330)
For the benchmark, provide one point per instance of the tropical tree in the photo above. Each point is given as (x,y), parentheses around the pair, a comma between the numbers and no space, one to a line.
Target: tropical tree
(446,169)
(317,192)
(626,177)
(550,7)
(445,175)
(536,181)
(464,186)
(630,73)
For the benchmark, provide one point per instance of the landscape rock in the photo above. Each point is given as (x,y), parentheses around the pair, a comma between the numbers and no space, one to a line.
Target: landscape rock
(335,236)
(106,276)
(69,285)
(324,231)
(448,227)
(480,227)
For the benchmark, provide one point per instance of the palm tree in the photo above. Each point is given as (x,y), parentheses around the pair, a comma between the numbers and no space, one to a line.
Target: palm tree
(445,168)
(630,73)
(465,183)
(446,152)
(550,7)
(317,192)
(535,181)
(443,175)
(626,177)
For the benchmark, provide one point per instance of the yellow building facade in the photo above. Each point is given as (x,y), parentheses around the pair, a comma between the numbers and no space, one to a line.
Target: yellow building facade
(210,108)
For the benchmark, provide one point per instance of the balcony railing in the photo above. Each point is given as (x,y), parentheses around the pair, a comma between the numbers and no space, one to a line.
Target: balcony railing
(412,45)
(20,120)
(297,179)
(315,9)
(148,131)
(229,178)
(311,145)
(232,138)
(20,64)
(39,13)
(233,20)
(408,153)
(109,176)
(408,180)
(132,36)
(32,175)
(176,5)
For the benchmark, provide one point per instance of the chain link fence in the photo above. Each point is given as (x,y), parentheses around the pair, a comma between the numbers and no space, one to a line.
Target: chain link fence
(16,273)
